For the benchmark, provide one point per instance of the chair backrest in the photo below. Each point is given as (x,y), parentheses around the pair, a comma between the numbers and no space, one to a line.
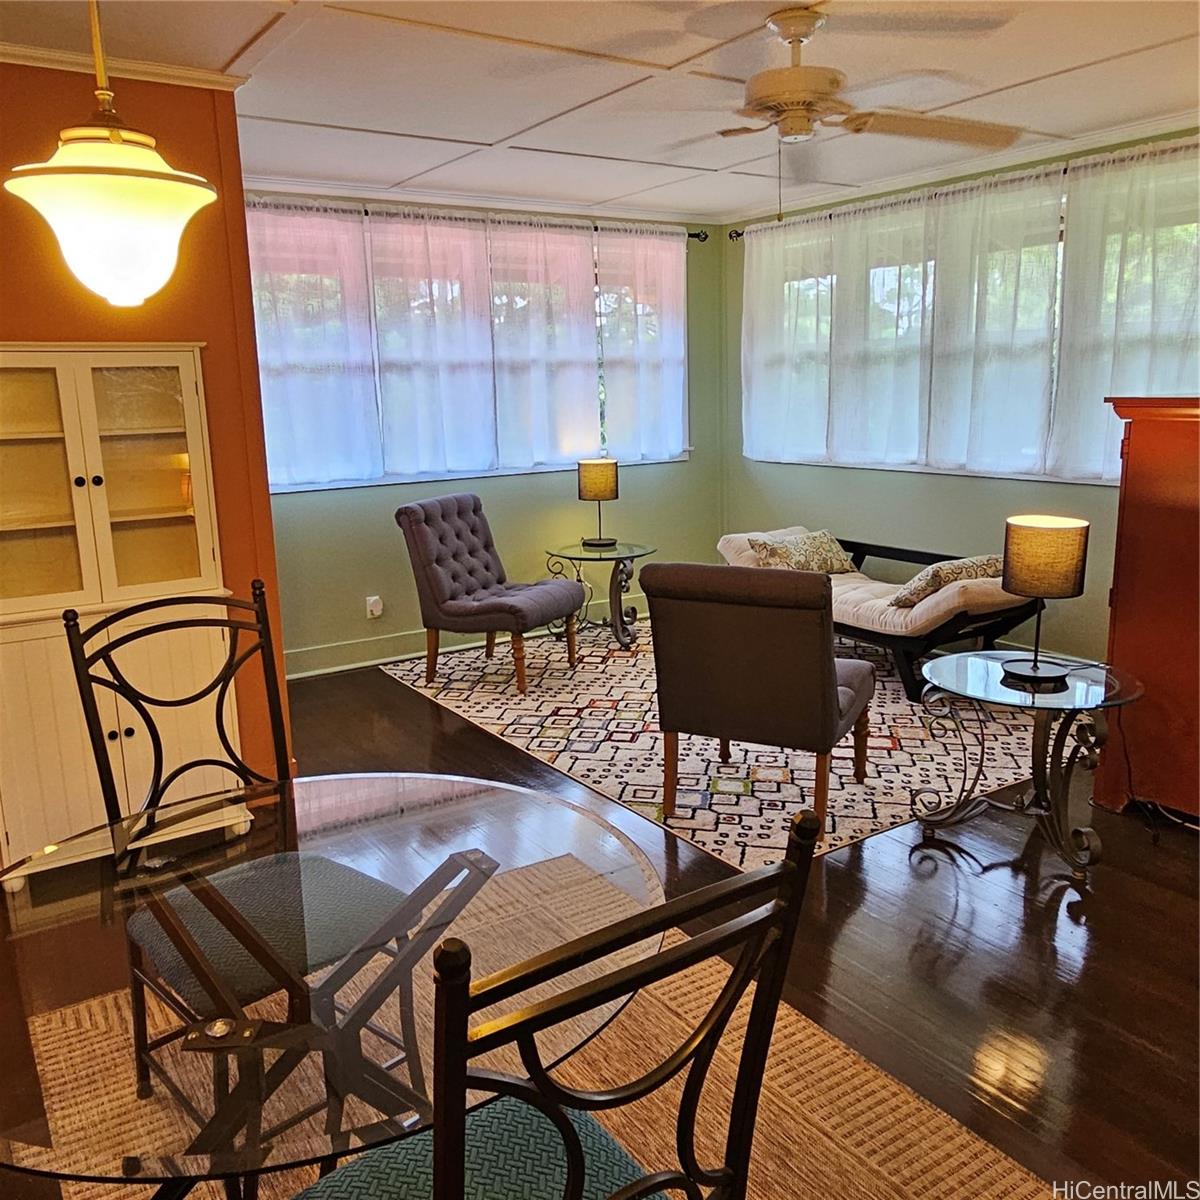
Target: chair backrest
(744,653)
(758,938)
(451,549)
(99,653)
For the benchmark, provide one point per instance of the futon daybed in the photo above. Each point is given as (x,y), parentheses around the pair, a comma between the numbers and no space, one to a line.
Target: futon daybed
(968,608)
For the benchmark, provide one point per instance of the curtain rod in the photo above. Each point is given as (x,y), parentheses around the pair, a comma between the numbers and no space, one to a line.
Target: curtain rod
(1154,149)
(699,235)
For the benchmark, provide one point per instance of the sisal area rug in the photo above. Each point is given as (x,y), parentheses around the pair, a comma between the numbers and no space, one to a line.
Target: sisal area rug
(598,722)
(831,1126)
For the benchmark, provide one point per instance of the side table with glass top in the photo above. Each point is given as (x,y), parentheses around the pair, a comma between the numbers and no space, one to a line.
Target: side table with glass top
(1069,729)
(622,556)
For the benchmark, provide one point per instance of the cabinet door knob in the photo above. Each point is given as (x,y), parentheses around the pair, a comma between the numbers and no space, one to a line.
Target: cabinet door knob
(113,735)
(128,731)
(80,481)
(97,479)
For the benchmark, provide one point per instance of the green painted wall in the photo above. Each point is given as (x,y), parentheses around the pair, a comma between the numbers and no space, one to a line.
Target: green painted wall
(336,547)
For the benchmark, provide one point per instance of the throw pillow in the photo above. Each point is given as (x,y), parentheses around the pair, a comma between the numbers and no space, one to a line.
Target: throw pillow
(819,551)
(937,575)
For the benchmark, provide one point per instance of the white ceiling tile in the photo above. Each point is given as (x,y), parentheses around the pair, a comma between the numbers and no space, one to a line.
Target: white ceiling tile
(1135,88)
(715,195)
(369,73)
(535,175)
(659,33)
(671,119)
(201,33)
(276,150)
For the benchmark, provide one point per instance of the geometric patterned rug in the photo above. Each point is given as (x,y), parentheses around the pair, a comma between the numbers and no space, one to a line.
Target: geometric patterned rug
(599,724)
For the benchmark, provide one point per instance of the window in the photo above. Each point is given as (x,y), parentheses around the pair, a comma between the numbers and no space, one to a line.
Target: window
(397,343)
(977,328)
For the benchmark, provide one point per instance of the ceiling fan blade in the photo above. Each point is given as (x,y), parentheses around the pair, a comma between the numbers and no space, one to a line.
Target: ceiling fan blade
(683,143)
(941,129)
(920,19)
(742,130)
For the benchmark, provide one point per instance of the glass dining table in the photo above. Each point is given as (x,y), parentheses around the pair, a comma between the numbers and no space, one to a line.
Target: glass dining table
(260,996)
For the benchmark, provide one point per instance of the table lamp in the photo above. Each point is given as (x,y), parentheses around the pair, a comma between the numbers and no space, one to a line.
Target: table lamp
(598,481)
(1044,557)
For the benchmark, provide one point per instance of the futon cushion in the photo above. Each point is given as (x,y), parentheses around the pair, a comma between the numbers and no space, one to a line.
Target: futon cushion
(735,549)
(819,551)
(513,1153)
(309,909)
(861,602)
(937,575)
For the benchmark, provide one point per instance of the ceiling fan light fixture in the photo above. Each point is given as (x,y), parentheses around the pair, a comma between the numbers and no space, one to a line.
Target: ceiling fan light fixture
(117,208)
(795,127)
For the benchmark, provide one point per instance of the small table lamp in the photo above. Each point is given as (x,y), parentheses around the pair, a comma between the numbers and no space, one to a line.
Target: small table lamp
(1044,557)
(598,481)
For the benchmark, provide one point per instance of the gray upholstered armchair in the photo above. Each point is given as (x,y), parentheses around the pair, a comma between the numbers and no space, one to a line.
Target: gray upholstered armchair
(745,654)
(462,585)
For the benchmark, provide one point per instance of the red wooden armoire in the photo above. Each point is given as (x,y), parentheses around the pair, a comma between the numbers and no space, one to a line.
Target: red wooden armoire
(1155,607)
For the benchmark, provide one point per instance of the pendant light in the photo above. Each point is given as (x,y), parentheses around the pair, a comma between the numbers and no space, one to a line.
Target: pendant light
(115,205)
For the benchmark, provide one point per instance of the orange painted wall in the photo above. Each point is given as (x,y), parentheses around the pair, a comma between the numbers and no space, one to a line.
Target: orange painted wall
(208,299)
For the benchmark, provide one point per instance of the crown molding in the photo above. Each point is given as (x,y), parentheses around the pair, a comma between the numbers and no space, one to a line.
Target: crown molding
(1048,151)
(121,68)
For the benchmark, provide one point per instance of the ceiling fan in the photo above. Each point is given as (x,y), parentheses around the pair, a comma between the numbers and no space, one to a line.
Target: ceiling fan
(795,100)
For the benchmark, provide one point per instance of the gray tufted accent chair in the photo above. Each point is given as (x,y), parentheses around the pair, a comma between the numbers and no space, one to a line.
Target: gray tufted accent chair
(462,585)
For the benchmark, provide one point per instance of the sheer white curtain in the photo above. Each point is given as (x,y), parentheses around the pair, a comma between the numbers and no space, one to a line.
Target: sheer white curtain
(434,330)
(544,341)
(975,328)
(642,276)
(878,374)
(995,244)
(1129,298)
(786,322)
(315,348)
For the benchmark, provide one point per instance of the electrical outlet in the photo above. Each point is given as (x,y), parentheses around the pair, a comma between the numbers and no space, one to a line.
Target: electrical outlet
(374,607)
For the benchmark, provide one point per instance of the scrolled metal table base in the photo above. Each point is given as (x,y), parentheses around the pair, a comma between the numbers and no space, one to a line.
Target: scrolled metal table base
(1062,740)
(621,616)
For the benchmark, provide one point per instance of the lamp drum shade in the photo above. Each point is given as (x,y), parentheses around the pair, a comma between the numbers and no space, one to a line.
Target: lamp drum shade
(597,478)
(1044,556)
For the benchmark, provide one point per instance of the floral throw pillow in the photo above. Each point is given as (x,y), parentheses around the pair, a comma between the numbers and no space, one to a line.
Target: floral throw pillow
(819,551)
(938,575)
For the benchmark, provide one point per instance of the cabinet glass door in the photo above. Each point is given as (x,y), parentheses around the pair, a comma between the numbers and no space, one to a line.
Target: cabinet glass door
(47,553)
(143,441)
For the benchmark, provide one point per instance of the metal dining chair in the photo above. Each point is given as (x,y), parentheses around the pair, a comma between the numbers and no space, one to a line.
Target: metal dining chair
(94,655)
(538,1140)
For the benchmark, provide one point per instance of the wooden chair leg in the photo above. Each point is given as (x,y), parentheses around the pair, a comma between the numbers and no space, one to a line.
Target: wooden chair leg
(489,644)
(518,651)
(431,654)
(724,750)
(861,728)
(571,641)
(670,772)
(821,790)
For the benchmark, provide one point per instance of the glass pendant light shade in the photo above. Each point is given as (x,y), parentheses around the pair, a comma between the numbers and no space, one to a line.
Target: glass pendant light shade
(115,205)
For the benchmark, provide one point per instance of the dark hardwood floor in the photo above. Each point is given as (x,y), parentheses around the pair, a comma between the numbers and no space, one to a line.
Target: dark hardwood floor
(1058,1022)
